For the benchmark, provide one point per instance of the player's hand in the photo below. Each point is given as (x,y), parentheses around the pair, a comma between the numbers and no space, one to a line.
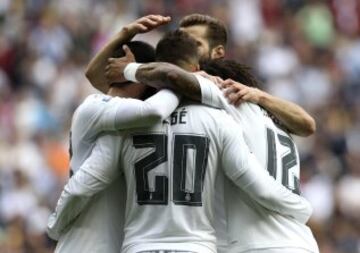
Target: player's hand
(114,71)
(237,93)
(146,24)
(215,79)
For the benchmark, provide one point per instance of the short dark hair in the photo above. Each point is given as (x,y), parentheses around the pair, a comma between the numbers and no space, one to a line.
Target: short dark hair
(177,47)
(216,30)
(230,69)
(143,52)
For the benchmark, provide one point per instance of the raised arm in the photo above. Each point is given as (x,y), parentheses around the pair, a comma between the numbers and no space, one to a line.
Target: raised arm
(96,69)
(245,171)
(95,174)
(292,116)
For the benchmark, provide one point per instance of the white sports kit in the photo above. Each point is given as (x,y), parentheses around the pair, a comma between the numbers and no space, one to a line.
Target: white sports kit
(277,153)
(98,228)
(177,173)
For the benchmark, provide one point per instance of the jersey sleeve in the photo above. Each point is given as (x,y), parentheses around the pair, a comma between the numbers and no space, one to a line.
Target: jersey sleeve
(95,174)
(242,167)
(114,113)
(210,93)
(133,113)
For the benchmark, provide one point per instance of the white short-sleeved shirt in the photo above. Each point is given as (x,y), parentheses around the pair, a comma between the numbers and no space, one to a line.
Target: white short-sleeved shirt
(250,226)
(170,172)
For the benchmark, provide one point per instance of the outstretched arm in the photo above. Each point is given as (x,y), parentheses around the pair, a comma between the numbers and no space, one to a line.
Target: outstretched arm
(157,74)
(292,116)
(95,70)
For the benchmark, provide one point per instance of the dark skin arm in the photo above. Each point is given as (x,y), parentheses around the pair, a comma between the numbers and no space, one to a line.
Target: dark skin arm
(165,75)
(156,74)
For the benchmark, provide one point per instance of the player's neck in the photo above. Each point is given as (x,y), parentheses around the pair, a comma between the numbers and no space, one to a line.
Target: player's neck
(117,92)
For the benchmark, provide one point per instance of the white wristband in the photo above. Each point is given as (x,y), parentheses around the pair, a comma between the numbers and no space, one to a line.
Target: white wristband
(130,71)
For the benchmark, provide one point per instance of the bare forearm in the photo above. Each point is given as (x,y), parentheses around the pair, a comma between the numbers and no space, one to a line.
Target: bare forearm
(164,75)
(95,70)
(292,116)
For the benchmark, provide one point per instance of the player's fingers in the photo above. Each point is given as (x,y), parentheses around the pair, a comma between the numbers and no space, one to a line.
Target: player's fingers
(156,18)
(141,27)
(111,60)
(238,102)
(159,18)
(128,53)
(232,98)
(149,22)
(229,90)
(247,97)
(228,83)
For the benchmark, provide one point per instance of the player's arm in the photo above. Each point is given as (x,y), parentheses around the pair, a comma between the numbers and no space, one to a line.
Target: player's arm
(292,116)
(120,114)
(157,74)
(95,70)
(95,174)
(241,166)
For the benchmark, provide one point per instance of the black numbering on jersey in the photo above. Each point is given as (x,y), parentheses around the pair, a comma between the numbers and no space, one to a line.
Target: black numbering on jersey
(288,161)
(187,148)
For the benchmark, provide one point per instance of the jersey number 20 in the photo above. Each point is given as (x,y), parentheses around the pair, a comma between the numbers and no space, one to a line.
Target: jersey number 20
(182,144)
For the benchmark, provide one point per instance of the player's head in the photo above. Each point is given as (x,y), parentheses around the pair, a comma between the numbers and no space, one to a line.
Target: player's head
(179,48)
(143,53)
(210,34)
(230,69)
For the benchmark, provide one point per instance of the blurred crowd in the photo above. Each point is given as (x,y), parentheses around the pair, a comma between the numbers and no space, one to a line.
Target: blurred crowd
(307,51)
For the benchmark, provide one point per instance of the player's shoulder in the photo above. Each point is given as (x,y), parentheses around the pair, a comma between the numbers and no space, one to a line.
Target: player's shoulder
(210,115)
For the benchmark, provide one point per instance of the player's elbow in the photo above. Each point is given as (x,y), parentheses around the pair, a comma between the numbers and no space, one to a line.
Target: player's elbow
(309,127)
(89,73)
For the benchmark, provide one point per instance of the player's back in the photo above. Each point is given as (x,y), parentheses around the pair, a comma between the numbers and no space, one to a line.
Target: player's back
(276,151)
(170,172)
(251,227)
(84,235)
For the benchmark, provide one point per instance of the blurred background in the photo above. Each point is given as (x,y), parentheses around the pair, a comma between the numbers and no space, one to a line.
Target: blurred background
(304,51)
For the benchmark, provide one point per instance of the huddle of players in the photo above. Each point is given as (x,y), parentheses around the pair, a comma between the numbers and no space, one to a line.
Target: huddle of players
(192,181)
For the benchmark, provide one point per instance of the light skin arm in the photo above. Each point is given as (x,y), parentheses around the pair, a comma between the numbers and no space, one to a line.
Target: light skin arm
(292,116)
(95,70)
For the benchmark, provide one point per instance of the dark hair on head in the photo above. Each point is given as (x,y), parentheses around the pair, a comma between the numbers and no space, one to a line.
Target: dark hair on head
(216,30)
(230,69)
(177,47)
(143,52)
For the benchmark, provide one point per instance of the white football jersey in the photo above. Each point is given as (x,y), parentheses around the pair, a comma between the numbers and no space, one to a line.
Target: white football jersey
(250,226)
(98,228)
(170,172)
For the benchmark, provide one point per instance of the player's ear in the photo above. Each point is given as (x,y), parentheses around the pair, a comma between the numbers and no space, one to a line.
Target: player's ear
(218,52)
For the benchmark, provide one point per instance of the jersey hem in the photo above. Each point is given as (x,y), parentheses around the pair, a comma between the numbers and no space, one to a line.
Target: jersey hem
(237,249)
(192,247)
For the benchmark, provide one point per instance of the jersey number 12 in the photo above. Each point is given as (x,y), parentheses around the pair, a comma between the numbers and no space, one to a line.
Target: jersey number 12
(288,161)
